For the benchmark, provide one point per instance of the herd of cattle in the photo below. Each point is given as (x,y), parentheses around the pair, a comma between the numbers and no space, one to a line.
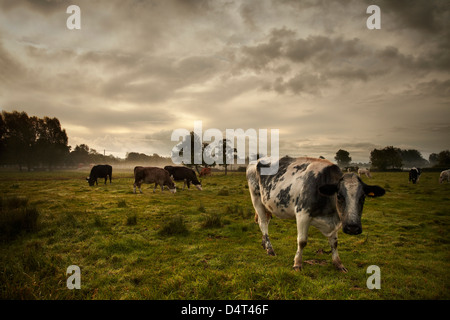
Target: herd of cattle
(313,191)
(158,176)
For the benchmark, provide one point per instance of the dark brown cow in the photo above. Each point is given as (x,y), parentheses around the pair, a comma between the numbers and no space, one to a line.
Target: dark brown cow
(155,175)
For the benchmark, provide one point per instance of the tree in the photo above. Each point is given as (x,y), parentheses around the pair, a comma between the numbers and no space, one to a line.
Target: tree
(227,153)
(80,154)
(412,158)
(29,141)
(433,159)
(343,158)
(387,158)
(51,143)
(444,158)
(189,143)
(19,138)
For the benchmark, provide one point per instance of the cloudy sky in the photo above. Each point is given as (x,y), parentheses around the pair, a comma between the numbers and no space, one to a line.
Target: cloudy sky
(137,70)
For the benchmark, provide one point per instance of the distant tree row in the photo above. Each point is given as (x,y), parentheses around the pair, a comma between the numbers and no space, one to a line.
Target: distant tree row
(30,142)
(41,142)
(395,158)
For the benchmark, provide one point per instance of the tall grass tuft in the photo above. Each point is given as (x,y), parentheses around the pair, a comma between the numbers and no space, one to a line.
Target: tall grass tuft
(122,204)
(212,220)
(223,192)
(201,208)
(16,217)
(131,220)
(174,226)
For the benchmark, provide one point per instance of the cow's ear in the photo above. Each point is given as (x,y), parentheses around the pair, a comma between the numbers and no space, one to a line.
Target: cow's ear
(328,189)
(374,191)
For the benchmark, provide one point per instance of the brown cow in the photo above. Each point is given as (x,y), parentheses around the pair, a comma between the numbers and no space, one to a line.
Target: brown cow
(153,175)
(205,172)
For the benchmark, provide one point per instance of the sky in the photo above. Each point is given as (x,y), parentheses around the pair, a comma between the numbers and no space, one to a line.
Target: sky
(137,70)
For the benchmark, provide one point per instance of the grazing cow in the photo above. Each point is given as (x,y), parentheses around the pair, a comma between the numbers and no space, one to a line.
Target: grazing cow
(99,171)
(314,192)
(187,175)
(205,172)
(364,171)
(444,175)
(414,175)
(155,175)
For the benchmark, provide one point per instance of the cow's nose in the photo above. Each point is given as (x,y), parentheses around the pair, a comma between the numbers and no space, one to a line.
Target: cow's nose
(352,229)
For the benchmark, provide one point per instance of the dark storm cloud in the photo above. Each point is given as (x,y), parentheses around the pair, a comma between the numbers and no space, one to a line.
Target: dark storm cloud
(39,6)
(422,15)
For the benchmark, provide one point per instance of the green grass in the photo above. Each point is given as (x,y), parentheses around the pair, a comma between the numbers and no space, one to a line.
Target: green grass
(205,244)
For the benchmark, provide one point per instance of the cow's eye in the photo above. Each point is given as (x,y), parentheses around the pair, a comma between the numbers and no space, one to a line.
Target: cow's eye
(340,198)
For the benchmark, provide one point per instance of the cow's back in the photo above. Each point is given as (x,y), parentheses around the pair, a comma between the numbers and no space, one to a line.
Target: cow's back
(150,174)
(295,186)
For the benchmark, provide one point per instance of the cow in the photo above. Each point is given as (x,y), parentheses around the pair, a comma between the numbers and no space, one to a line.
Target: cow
(187,175)
(444,175)
(155,175)
(99,171)
(364,171)
(314,192)
(205,172)
(351,169)
(414,175)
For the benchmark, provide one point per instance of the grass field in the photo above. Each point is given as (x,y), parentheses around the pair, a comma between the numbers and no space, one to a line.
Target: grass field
(205,244)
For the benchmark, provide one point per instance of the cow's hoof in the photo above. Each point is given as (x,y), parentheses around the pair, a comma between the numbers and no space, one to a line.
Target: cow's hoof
(270,252)
(297,268)
(341,268)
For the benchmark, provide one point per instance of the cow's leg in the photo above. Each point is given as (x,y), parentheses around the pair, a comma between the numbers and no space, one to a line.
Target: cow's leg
(138,185)
(263,219)
(333,241)
(106,179)
(330,230)
(154,188)
(303,222)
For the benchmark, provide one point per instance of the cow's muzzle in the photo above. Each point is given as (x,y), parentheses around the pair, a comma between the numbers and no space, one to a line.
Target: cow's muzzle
(352,229)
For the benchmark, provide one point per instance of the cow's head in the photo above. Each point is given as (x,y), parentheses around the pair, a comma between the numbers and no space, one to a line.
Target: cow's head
(350,194)
(90,181)
(172,187)
(198,184)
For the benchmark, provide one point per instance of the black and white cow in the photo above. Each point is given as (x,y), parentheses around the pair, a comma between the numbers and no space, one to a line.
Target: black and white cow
(99,171)
(414,175)
(187,175)
(314,192)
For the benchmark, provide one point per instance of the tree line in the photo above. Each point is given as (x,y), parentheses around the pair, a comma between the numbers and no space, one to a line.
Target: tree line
(30,142)
(392,158)
(33,142)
